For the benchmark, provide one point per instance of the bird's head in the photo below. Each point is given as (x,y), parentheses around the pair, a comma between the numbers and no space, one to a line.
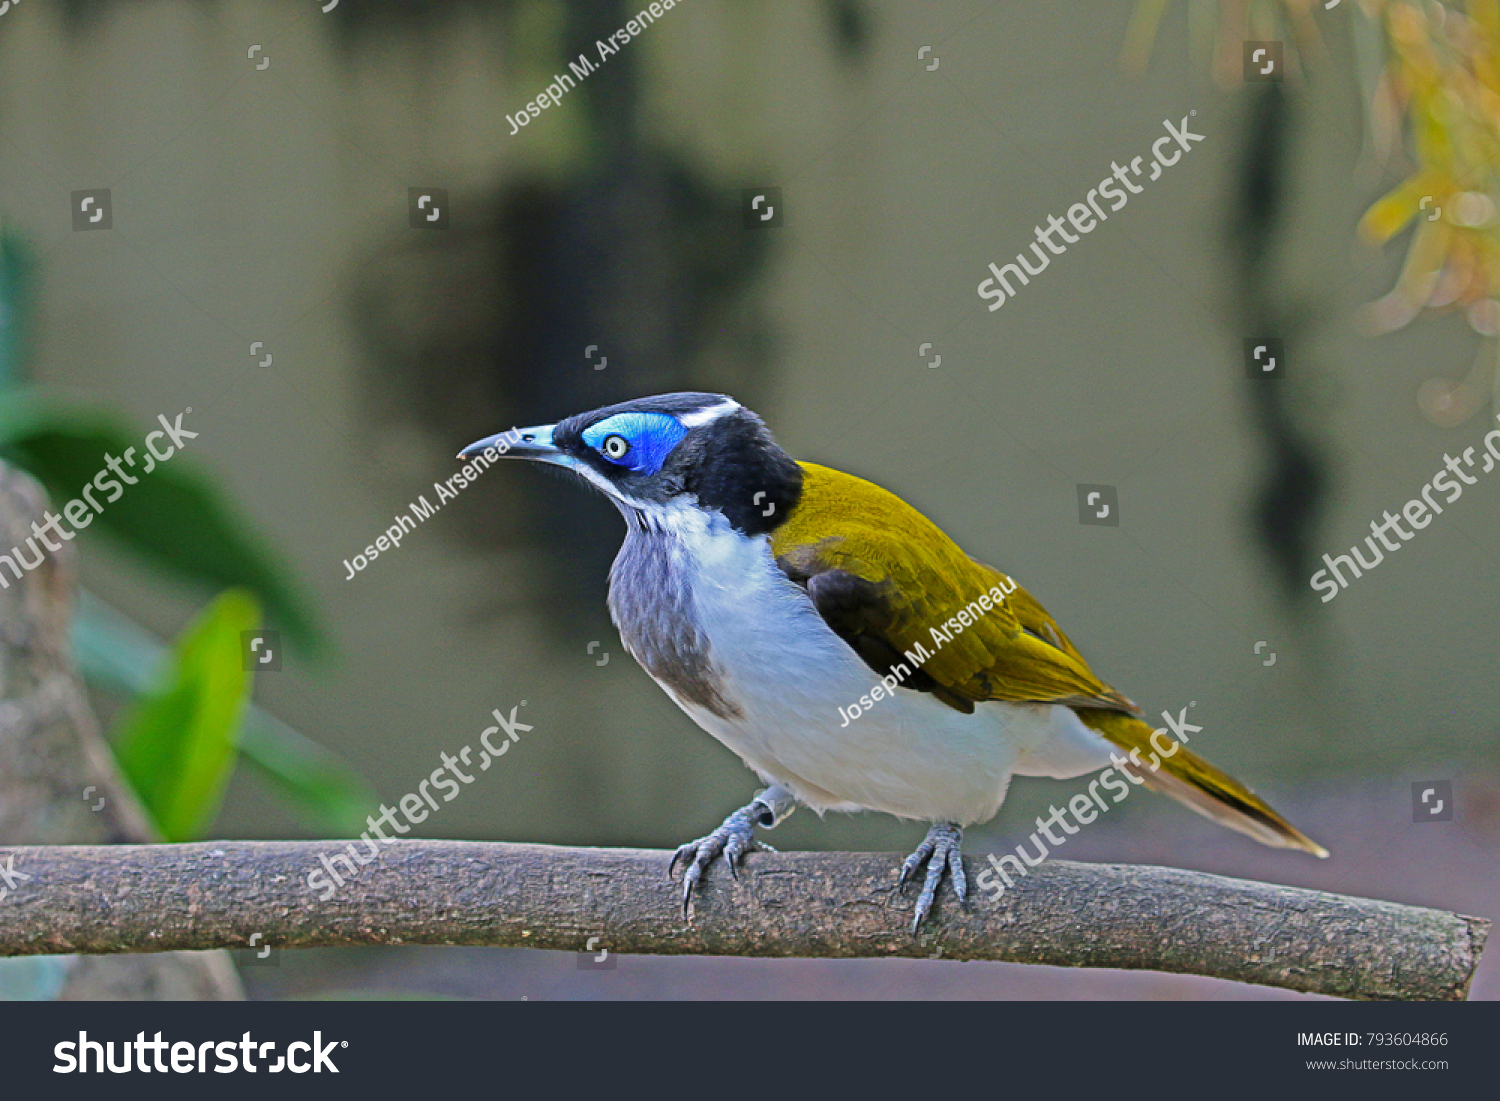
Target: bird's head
(656,456)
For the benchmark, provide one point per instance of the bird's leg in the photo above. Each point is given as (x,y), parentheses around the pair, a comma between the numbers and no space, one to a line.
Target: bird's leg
(941,850)
(734,838)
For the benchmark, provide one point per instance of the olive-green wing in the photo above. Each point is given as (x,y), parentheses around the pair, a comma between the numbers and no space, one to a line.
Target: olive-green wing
(887,580)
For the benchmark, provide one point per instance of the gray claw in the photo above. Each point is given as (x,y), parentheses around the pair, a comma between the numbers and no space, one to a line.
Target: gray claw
(941,850)
(733,840)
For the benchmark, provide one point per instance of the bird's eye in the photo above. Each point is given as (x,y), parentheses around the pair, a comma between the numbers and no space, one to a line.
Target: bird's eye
(615,447)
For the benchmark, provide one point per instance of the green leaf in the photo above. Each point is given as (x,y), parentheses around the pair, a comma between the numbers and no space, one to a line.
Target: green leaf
(112,650)
(324,792)
(174,517)
(326,795)
(178,744)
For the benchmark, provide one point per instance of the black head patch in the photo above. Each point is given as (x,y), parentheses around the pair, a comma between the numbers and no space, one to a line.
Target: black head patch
(734,465)
(730,463)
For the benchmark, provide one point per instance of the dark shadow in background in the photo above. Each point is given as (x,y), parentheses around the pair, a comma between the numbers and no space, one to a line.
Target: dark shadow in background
(1288,506)
(477,329)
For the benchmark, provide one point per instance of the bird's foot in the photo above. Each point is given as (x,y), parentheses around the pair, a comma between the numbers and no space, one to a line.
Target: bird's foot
(733,840)
(940,849)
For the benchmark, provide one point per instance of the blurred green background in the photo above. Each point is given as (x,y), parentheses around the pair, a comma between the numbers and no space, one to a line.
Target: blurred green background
(270,205)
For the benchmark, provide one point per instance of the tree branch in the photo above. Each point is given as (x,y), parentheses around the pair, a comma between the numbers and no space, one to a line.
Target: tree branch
(58,781)
(153,898)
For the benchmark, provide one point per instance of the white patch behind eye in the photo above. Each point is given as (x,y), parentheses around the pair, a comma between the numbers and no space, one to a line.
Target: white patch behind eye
(704,416)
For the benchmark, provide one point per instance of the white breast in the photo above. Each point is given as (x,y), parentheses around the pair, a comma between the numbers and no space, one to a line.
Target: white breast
(788,675)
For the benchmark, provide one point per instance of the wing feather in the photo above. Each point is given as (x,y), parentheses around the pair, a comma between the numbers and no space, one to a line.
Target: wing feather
(886,579)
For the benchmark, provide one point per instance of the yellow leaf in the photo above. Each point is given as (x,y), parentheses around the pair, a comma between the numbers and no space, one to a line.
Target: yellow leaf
(1391,213)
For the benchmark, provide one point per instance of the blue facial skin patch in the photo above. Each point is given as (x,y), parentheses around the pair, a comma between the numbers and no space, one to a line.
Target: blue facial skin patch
(651,436)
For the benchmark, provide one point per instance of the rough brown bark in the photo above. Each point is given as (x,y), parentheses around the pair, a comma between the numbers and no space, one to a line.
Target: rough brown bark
(51,753)
(217,894)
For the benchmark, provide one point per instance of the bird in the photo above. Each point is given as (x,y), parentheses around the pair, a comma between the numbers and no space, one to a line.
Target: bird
(842,645)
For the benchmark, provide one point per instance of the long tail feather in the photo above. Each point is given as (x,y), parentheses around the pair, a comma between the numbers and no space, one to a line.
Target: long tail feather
(1198,784)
